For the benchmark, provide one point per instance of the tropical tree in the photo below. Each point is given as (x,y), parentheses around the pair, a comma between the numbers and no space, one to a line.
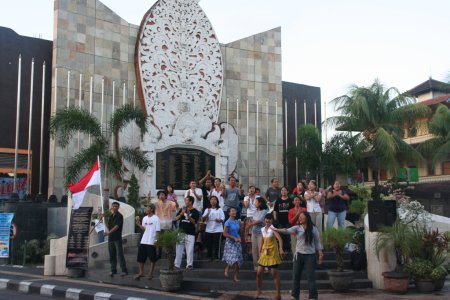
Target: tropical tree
(342,154)
(308,151)
(379,115)
(68,121)
(133,192)
(437,149)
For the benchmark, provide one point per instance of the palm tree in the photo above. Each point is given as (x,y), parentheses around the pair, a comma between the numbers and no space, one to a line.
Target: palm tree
(438,148)
(65,123)
(308,151)
(342,154)
(380,115)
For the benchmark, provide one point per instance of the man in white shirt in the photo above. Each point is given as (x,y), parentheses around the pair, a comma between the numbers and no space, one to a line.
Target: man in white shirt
(151,226)
(218,191)
(197,194)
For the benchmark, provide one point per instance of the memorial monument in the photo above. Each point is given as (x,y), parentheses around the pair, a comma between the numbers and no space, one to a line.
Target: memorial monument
(210,106)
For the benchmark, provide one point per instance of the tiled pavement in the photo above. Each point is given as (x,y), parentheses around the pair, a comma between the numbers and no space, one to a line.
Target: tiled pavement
(29,280)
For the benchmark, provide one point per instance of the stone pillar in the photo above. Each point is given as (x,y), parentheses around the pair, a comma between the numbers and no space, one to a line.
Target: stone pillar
(376,266)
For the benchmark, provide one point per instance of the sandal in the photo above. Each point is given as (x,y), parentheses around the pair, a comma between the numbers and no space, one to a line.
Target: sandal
(138,276)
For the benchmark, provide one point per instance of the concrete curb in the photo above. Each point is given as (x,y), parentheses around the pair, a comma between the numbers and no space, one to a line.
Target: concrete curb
(28,287)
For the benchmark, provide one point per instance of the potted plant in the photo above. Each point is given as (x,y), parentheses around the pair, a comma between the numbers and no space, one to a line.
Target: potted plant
(395,237)
(358,204)
(336,238)
(429,246)
(438,275)
(420,270)
(170,278)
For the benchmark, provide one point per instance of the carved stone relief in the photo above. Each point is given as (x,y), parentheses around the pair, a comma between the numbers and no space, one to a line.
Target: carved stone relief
(180,72)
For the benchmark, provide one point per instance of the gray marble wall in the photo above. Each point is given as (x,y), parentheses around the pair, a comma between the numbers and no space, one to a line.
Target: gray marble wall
(252,68)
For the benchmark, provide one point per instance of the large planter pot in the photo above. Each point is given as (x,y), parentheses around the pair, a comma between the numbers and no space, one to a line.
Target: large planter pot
(425,285)
(396,282)
(171,280)
(439,284)
(340,281)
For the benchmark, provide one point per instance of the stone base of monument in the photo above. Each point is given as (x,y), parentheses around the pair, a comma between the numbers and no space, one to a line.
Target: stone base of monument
(207,276)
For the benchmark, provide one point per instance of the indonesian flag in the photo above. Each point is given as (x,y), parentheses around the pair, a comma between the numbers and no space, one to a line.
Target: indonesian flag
(79,189)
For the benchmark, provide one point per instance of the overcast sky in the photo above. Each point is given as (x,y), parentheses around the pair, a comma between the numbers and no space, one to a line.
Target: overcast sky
(326,43)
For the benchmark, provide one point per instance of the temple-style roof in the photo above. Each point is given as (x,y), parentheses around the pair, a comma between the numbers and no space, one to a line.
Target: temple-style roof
(429,85)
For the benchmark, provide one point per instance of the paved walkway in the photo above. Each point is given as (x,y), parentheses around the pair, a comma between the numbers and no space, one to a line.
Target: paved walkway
(353,295)
(29,280)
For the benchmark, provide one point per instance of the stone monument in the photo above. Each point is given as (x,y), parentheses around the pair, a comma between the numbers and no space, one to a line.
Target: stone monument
(179,71)
(209,105)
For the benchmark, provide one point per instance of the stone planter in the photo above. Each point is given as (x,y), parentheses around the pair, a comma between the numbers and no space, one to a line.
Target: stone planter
(425,285)
(439,284)
(171,280)
(396,282)
(340,281)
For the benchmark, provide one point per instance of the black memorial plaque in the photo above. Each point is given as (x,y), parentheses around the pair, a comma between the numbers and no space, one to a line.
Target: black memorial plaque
(178,166)
(78,238)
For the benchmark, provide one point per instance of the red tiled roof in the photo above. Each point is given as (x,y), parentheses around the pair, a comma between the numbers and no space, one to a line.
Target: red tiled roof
(437,100)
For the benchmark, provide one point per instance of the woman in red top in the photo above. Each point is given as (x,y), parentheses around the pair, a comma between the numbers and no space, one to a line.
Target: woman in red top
(293,218)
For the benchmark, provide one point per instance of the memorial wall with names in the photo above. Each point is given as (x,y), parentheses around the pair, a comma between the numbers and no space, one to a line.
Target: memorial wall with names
(178,166)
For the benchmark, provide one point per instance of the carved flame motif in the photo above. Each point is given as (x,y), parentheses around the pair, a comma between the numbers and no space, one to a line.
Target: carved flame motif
(179,64)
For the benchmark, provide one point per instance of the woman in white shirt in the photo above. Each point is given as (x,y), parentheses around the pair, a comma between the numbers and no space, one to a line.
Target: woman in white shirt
(213,217)
(269,256)
(249,204)
(313,197)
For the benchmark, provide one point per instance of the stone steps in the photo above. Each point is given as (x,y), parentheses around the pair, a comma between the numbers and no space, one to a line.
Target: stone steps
(193,282)
(209,275)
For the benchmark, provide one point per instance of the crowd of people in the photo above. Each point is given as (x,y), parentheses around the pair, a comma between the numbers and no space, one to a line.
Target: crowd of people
(265,227)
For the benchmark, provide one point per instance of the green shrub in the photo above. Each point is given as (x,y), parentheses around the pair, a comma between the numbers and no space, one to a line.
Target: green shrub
(439,273)
(419,268)
(336,238)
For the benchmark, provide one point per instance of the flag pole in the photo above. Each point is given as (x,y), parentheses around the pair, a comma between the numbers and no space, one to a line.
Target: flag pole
(101,188)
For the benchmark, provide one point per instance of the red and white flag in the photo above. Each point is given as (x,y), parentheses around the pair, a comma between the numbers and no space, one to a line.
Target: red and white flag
(79,189)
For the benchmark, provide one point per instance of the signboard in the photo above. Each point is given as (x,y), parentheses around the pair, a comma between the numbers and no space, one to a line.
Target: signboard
(178,166)
(7,187)
(5,232)
(78,238)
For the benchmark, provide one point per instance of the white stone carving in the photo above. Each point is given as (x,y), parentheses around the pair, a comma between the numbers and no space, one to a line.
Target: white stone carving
(179,63)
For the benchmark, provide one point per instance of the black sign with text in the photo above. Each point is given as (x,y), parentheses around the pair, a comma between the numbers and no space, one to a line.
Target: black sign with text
(178,166)
(78,238)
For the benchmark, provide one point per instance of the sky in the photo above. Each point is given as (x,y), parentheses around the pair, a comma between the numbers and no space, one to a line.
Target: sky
(330,44)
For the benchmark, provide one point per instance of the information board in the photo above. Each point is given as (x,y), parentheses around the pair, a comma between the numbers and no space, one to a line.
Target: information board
(178,166)
(5,233)
(78,238)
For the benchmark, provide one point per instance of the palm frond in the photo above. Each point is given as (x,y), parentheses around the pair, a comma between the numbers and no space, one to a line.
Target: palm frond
(114,165)
(440,123)
(70,120)
(428,147)
(385,145)
(409,114)
(442,153)
(407,153)
(136,157)
(127,114)
(85,158)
